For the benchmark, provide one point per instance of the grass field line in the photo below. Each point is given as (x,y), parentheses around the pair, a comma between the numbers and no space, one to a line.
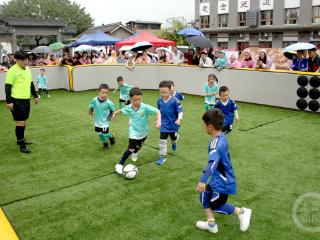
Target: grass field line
(81,182)
(270,122)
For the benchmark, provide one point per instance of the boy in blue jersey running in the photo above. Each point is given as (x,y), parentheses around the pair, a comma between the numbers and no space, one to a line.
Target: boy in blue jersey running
(218,179)
(102,109)
(171,117)
(229,109)
(210,90)
(139,113)
(174,92)
(42,80)
(124,89)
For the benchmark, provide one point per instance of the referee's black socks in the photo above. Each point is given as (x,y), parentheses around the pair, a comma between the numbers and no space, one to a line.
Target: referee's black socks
(20,134)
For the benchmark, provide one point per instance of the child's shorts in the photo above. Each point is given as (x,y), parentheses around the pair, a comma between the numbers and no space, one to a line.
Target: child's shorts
(165,135)
(213,200)
(103,130)
(127,102)
(136,144)
(227,129)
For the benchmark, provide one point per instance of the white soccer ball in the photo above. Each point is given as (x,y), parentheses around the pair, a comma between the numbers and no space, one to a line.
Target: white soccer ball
(130,171)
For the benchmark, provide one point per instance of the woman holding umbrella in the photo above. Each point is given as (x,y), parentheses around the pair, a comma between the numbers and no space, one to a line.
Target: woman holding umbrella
(144,58)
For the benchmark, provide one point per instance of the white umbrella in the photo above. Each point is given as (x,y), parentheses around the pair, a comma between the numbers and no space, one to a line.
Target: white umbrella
(85,48)
(299,46)
(41,49)
(125,48)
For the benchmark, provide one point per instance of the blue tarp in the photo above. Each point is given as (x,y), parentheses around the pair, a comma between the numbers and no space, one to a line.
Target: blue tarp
(96,39)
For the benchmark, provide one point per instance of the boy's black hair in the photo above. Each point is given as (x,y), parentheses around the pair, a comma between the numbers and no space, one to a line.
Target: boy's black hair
(20,55)
(223,89)
(119,79)
(171,82)
(135,91)
(165,84)
(215,118)
(103,86)
(42,69)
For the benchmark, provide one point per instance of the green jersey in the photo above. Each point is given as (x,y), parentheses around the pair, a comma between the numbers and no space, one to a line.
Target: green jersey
(42,81)
(103,111)
(210,90)
(21,80)
(138,123)
(124,91)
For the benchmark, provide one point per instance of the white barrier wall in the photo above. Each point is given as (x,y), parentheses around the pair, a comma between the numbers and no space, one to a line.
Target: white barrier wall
(58,78)
(272,88)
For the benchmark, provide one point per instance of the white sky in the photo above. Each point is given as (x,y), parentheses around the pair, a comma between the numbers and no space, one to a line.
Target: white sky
(108,11)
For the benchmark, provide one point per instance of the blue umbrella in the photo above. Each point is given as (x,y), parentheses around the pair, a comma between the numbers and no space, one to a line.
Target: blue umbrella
(190,32)
(96,39)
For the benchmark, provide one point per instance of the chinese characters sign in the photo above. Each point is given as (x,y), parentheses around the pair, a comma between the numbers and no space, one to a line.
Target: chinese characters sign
(243,5)
(223,6)
(266,4)
(205,9)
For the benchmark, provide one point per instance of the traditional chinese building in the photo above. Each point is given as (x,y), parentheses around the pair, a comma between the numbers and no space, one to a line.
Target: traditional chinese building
(239,24)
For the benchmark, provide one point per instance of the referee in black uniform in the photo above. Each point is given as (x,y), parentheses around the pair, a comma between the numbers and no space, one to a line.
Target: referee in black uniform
(19,87)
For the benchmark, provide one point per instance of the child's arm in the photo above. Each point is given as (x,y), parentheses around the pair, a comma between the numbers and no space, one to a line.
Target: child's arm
(201,187)
(158,122)
(236,113)
(180,113)
(116,89)
(91,108)
(116,113)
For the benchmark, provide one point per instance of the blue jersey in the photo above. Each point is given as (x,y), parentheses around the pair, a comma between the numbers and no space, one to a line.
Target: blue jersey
(178,96)
(219,167)
(228,109)
(169,114)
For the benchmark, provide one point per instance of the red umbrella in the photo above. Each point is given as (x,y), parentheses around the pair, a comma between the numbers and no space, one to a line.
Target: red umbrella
(145,36)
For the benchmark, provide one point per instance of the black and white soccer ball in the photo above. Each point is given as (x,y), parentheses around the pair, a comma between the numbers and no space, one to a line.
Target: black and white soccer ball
(130,171)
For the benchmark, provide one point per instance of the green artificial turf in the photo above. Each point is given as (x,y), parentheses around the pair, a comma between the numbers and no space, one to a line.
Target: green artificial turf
(67,189)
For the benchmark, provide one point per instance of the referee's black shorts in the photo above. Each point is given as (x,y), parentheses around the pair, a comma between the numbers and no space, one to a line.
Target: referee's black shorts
(21,109)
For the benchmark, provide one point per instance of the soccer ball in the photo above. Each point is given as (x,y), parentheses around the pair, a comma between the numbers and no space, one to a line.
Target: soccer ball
(130,171)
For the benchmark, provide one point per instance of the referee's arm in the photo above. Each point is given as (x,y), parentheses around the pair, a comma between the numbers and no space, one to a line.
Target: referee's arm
(33,91)
(8,88)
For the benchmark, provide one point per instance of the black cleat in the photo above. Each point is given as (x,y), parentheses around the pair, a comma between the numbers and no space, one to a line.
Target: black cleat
(105,146)
(26,142)
(112,140)
(25,149)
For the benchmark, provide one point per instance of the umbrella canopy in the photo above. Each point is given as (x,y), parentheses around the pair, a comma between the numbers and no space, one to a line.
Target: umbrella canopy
(41,49)
(85,48)
(190,32)
(199,41)
(56,46)
(290,55)
(145,36)
(299,46)
(125,48)
(96,39)
(140,46)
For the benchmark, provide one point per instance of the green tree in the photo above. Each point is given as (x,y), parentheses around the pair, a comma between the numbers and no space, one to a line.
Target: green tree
(70,12)
(172,33)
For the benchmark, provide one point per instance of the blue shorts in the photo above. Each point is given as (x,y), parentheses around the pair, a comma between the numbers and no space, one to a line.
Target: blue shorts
(213,200)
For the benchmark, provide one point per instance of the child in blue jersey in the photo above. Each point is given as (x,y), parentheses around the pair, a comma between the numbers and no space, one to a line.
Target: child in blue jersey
(210,89)
(102,109)
(171,117)
(218,179)
(124,89)
(174,93)
(229,109)
(42,80)
(138,125)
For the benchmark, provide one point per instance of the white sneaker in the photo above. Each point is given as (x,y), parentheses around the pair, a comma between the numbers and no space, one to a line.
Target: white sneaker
(245,219)
(49,96)
(39,96)
(205,226)
(119,168)
(134,157)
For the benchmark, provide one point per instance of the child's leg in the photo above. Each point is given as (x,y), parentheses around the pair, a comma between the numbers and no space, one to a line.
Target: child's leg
(163,144)
(206,107)
(134,147)
(46,91)
(39,91)
(120,104)
(174,139)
